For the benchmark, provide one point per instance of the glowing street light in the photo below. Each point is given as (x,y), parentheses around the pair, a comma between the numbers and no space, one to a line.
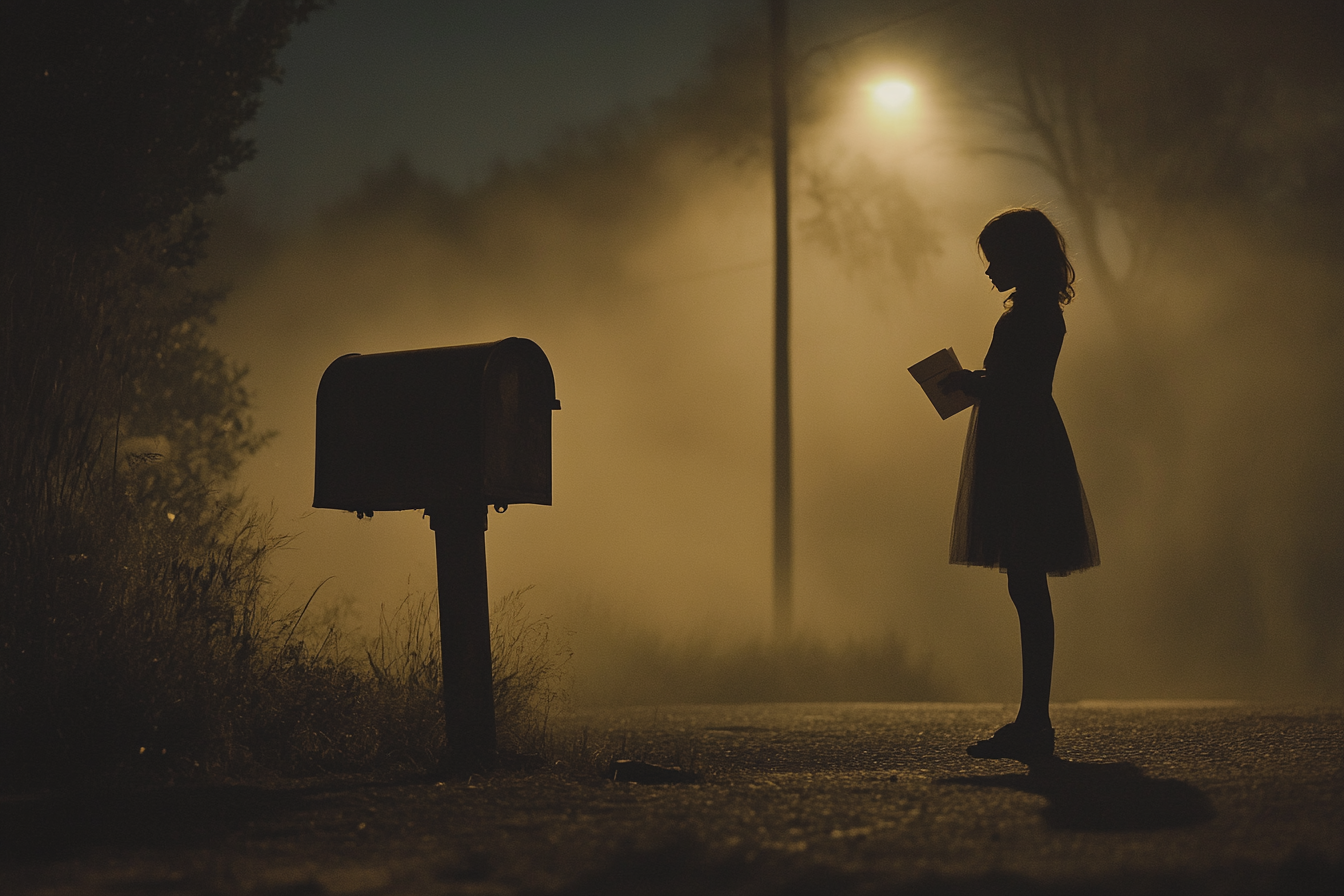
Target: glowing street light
(892,95)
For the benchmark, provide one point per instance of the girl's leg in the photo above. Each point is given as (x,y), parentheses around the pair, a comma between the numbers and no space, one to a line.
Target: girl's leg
(1031,596)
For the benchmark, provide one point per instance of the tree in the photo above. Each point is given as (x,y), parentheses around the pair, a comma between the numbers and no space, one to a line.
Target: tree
(1153,112)
(121,426)
(121,119)
(121,116)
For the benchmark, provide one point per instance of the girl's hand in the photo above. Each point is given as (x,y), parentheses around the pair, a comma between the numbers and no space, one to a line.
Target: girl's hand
(972,382)
(960,381)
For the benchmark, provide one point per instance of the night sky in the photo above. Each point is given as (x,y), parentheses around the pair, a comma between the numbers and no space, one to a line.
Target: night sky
(458,86)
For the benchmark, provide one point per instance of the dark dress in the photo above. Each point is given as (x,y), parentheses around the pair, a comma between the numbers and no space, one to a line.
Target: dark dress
(1020,502)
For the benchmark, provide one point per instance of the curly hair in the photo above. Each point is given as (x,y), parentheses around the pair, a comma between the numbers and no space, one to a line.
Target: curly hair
(1032,244)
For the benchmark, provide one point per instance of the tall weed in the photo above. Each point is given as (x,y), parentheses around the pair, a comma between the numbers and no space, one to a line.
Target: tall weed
(529,669)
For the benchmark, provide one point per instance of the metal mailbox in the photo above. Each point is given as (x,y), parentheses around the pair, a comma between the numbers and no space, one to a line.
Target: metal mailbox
(436,427)
(452,430)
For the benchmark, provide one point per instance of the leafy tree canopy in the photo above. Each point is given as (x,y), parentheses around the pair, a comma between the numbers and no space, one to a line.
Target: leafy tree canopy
(122,114)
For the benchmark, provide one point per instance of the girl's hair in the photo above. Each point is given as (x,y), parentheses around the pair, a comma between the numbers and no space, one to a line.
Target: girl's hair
(1027,239)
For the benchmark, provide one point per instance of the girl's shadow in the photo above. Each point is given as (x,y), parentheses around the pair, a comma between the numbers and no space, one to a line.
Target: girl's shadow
(1104,796)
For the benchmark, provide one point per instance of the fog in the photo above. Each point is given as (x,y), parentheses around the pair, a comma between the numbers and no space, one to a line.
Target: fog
(1203,402)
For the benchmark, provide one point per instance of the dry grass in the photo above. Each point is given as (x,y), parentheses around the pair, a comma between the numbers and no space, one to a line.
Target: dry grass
(149,650)
(379,706)
(530,671)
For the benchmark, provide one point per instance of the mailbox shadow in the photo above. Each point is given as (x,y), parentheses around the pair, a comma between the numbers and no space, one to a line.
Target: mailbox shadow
(1104,796)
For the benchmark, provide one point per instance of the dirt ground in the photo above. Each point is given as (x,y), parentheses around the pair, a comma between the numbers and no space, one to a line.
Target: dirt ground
(816,798)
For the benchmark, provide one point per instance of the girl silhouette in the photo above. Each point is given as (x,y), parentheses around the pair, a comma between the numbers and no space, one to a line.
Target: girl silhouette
(1020,503)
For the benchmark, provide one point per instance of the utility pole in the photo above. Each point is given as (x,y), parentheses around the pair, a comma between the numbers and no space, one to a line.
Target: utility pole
(779,135)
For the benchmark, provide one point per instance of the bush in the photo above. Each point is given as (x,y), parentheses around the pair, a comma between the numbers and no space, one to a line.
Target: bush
(161,659)
(132,643)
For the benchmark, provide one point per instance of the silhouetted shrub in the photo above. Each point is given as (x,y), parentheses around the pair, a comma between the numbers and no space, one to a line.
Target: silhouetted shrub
(132,609)
(322,708)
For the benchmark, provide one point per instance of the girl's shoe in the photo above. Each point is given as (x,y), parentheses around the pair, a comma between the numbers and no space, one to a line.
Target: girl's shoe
(1013,741)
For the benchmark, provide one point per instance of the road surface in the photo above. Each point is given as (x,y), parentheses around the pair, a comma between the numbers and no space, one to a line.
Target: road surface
(791,798)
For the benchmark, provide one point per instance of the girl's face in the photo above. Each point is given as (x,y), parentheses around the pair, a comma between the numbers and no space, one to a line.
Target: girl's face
(1002,274)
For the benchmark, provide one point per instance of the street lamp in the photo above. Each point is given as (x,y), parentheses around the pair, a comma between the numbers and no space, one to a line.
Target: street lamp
(783,456)
(892,95)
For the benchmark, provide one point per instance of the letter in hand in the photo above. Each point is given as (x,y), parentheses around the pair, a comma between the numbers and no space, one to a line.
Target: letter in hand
(943,380)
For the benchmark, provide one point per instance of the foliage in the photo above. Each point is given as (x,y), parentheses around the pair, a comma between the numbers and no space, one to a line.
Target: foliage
(529,671)
(217,686)
(863,215)
(122,116)
(140,653)
(120,119)
(130,584)
(1131,117)
(325,709)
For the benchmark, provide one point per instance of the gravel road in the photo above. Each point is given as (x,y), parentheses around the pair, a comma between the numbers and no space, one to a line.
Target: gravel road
(791,798)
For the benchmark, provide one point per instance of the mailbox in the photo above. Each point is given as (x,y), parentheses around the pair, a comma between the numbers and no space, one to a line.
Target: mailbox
(451,430)
(437,427)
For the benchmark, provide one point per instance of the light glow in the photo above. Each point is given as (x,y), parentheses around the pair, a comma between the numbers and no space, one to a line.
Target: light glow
(892,95)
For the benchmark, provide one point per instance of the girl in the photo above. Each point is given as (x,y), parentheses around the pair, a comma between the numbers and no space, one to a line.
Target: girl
(1020,503)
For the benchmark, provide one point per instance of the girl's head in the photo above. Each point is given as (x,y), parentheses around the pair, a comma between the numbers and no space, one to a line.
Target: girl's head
(1024,243)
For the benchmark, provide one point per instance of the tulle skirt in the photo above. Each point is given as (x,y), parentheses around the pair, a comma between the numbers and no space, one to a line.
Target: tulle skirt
(1020,502)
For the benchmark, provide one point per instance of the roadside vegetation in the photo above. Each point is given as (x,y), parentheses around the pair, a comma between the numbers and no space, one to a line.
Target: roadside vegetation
(132,579)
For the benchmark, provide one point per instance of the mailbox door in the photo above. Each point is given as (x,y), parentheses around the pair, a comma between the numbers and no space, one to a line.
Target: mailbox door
(518,396)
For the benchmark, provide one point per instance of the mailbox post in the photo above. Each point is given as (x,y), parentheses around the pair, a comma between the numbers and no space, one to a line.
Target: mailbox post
(452,431)
(464,634)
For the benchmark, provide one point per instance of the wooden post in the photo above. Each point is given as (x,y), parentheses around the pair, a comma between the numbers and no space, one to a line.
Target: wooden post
(464,624)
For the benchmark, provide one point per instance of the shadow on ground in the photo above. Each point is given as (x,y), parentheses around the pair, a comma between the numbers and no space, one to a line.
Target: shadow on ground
(49,827)
(1104,796)
(40,829)
(686,863)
